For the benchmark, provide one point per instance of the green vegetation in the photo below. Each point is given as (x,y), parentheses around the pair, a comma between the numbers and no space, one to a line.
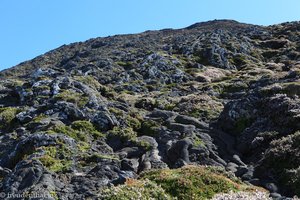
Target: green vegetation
(79,130)
(126,65)
(39,118)
(7,116)
(135,189)
(284,158)
(149,127)
(57,158)
(115,111)
(235,87)
(198,142)
(54,195)
(87,127)
(96,156)
(193,182)
(88,80)
(77,135)
(190,182)
(289,88)
(134,123)
(170,106)
(124,134)
(73,97)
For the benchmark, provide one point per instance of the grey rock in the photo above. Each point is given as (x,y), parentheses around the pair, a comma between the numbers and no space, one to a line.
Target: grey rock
(182,119)
(272,187)
(232,167)
(186,129)
(105,121)
(179,150)
(130,164)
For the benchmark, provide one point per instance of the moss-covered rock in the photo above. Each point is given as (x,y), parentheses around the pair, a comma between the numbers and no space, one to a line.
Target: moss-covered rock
(79,130)
(7,116)
(149,127)
(57,158)
(73,97)
(124,134)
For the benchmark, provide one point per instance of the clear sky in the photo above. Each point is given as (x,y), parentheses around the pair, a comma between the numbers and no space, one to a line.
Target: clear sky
(32,27)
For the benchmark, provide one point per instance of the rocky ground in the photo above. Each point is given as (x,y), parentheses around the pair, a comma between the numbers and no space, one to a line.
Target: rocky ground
(189,114)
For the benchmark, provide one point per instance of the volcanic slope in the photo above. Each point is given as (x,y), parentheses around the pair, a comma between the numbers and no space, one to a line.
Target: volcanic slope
(187,113)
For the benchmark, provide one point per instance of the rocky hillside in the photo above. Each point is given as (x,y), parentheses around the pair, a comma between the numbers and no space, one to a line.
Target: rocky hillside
(189,114)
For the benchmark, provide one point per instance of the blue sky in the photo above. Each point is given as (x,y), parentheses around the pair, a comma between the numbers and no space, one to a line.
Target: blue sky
(32,27)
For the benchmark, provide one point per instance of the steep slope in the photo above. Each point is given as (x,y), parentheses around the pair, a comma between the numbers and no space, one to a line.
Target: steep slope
(86,116)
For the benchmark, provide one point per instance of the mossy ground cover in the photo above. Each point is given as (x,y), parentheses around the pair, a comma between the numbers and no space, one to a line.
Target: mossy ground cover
(79,130)
(135,189)
(73,97)
(57,158)
(190,182)
(7,116)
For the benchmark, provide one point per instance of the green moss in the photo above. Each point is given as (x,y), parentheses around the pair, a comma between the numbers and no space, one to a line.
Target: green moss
(96,156)
(149,127)
(43,87)
(234,87)
(198,142)
(134,123)
(115,111)
(73,97)
(290,89)
(124,134)
(135,189)
(125,64)
(83,146)
(79,130)
(77,135)
(193,182)
(270,53)
(107,92)
(170,106)
(7,116)
(54,195)
(143,144)
(88,80)
(87,128)
(56,158)
(39,118)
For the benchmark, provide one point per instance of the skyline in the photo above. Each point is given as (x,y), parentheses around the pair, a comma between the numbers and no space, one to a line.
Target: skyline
(35,27)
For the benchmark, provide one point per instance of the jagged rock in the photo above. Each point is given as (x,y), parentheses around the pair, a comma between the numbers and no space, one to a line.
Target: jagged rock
(25,175)
(186,129)
(105,121)
(130,164)
(190,120)
(179,150)
(70,111)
